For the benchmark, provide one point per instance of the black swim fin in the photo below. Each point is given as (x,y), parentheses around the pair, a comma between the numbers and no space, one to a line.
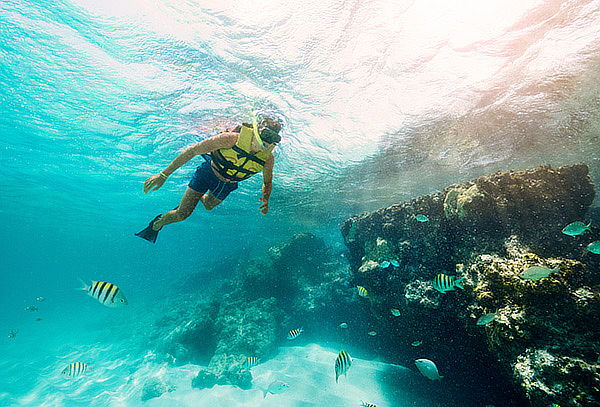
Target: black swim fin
(149,234)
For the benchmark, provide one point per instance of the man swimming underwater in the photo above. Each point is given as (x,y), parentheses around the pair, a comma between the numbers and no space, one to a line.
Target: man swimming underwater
(235,155)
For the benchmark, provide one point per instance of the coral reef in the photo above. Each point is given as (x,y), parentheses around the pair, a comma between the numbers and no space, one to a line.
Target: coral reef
(299,283)
(547,329)
(540,349)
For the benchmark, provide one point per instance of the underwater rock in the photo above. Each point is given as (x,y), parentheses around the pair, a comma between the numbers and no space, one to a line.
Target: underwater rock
(458,200)
(549,378)
(298,283)
(545,331)
(185,331)
(488,231)
(155,388)
(205,379)
(368,265)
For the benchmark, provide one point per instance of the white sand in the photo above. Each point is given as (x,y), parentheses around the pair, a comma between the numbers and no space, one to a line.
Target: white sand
(309,371)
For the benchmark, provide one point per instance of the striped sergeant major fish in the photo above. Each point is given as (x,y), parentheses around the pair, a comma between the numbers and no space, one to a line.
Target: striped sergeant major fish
(250,361)
(294,333)
(362,291)
(444,283)
(107,293)
(363,404)
(342,364)
(76,369)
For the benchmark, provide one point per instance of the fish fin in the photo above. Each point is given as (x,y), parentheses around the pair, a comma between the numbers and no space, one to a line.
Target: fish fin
(265,392)
(84,286)
(457,283)
(588,226)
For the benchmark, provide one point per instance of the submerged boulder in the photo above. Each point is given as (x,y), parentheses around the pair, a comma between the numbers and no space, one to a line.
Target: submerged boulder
(298,283)
(155,388)
(545,331)
(488,231)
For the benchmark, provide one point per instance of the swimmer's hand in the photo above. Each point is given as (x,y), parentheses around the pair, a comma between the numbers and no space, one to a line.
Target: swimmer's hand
(264,208)
(154,182)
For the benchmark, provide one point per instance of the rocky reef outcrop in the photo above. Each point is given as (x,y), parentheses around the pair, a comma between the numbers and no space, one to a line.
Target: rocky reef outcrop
(542,346)
(296,284)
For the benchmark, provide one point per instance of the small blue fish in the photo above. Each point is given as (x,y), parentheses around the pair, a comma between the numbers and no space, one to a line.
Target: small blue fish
(420,218)
(576,228)
(428,369)
(416,343)
(594,247)
(276,387)
(486,318)
(395,312)
(537,272)
(395,263)
(384,264)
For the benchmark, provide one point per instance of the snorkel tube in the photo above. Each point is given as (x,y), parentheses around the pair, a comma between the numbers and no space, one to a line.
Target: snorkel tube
(255,129)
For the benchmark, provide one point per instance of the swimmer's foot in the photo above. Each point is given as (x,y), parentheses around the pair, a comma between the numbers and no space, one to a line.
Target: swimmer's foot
(149,233)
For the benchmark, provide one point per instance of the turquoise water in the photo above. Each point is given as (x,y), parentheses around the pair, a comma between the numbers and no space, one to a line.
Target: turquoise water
(381,102)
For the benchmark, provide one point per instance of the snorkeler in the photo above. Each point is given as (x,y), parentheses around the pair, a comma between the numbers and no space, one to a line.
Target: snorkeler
(235,155)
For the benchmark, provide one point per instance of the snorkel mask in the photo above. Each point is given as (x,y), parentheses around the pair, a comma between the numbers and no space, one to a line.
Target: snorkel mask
(264,133)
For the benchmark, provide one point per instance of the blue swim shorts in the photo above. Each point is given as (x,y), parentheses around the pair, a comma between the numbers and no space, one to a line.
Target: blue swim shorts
(204,179)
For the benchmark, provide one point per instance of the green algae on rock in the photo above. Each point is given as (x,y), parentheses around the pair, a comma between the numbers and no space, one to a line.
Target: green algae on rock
(491,229)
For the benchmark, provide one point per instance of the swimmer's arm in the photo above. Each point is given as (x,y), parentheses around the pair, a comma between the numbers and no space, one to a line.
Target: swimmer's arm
(267,186)
(223,140)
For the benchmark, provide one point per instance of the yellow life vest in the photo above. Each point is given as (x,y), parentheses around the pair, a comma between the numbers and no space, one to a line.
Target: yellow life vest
(236,163)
